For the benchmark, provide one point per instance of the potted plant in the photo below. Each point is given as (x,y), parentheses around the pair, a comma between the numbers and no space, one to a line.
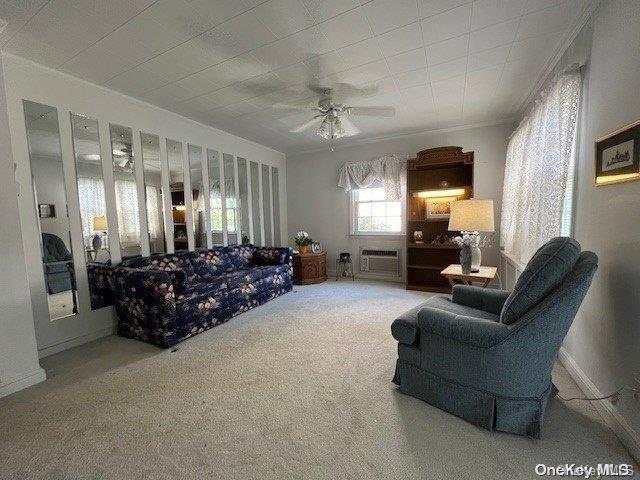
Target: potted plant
(303,240)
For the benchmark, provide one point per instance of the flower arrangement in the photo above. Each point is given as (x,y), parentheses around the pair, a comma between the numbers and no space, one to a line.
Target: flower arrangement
(303,239)
(467,240)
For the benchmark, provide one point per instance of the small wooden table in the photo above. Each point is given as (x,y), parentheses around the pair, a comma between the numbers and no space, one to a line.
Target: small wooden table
(454,274)
(310,268)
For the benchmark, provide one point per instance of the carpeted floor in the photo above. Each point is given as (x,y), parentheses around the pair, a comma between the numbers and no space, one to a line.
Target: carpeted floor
(297,388)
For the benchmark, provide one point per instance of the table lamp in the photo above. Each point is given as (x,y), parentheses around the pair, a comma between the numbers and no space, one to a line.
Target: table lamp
(99,225)
(472,217)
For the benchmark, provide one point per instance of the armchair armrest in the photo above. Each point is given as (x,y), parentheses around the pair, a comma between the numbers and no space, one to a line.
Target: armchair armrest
(485,299)
(473,331)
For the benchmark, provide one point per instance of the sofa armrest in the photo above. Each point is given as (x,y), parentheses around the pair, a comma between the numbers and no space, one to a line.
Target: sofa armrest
(485,299)
(476,332)
(273,256)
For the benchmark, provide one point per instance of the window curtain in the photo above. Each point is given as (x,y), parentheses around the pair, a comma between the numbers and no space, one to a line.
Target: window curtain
(128,215)
(386,171)
(153,212)
(539,170)
(92,204)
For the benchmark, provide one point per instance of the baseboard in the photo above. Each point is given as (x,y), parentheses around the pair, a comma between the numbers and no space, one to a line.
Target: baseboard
(75,341)
(610,414)
(24,381)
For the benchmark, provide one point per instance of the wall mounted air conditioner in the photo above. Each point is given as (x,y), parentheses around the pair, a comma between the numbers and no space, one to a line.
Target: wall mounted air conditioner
(380,261)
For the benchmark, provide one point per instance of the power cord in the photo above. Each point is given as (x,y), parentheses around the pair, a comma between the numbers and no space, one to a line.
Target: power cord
(616,394)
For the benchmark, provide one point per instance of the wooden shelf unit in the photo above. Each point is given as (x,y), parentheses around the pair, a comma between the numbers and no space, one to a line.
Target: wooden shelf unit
(442,168)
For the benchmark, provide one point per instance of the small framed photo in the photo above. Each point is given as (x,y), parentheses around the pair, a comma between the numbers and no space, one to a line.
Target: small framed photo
(46,210)
(316,247)
(618,155)
(438,209)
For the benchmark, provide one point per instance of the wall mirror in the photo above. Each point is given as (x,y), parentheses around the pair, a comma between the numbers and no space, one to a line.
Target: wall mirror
(50,201)
(275,188)
(197,192)
(266,205)
(243,201)
(254,171)
(93,210)
(215,196)
(176,184)
(231,202)
(153,190)
(125,188)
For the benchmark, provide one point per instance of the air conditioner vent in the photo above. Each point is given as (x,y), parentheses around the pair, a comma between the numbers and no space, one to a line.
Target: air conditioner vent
(380,262)
(380,253)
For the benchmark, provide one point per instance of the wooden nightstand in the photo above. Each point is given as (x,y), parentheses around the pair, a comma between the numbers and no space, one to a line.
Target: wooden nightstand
(310,268)
(454,274)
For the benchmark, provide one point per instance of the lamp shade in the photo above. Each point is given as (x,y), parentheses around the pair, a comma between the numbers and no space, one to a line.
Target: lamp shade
(100,224)
(472,216)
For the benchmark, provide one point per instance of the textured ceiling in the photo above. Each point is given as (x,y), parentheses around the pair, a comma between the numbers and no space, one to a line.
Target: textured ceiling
(226,63)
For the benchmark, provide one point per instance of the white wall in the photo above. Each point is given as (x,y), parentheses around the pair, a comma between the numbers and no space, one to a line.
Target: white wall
(19,366)
(26,80)
(317,205)
(604,342)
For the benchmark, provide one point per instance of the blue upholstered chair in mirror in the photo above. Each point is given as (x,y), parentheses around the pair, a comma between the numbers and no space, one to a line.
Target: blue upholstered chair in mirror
(58,264)
(486,355)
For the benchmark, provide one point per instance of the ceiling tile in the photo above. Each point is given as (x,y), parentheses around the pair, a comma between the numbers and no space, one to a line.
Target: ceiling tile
(448,50)
(400,40)
(363,74)
(385,15)
(284,17)
(220,10)
(488,12)
(322,10)
(97,65)
(550,20)
(428,8)
(407,61)
(411,79)
(493,36)
(534,47)
(446,70)
(488,58)
(182,16)
(344,58)
(345,29)
(449,24)
(291,50)
(419,93)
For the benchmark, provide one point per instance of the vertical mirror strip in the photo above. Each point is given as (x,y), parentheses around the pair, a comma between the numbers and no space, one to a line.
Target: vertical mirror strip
(254,174)
(215,197)
(176,184)
(266,205)
(154,193)
(231,203)
(243,199)
(275,193)
(197,196)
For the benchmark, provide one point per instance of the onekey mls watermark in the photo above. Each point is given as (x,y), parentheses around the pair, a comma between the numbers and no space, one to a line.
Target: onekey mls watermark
(600,470)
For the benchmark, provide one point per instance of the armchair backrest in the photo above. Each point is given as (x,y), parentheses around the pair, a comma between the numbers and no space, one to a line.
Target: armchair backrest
(54,249)
(545,271)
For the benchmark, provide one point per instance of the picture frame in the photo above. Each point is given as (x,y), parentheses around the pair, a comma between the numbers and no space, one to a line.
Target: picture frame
(438,209)
(617,155)
(46,210)
(316,247)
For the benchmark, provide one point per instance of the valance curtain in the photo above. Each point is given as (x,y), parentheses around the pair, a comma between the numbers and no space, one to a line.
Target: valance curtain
(539,170)
(386,171)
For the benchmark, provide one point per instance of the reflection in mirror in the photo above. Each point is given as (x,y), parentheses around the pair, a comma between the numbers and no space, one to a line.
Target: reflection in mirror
(277,241)
(43,136)
(243,199)
(255,202)
(153,191)
(231,200)
(93,210)
(266,205)
(126,192)
(176,183)
(213,162)
(197,189)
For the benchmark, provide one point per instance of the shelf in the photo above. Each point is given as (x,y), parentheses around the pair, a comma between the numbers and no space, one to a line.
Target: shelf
(426,267)
(430,246)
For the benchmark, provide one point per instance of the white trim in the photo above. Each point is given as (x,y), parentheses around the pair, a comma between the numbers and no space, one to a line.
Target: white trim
(143,228)
(261,205)
(609,413)
(353,232)
(273,230)
(76,341)
(24,381)
(223,198)
(188,198)
(249,199)
(207,197)
(238,209)
(167,210)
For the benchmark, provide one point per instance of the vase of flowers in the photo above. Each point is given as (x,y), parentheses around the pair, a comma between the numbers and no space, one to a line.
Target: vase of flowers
(303,242)
(469,251)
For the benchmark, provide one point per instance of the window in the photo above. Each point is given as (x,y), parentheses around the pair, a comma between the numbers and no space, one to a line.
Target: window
(371,213)
(216,214)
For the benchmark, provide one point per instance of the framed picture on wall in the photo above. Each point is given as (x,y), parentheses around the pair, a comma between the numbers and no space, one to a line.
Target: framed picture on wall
(439,209)
(46,210)
(618,155)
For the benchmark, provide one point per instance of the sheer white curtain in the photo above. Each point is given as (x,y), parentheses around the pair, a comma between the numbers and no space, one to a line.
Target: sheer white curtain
(128,215)
(153,212)
(539,170)
(92,204)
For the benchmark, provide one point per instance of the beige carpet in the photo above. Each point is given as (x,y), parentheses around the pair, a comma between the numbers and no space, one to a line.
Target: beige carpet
(297,388)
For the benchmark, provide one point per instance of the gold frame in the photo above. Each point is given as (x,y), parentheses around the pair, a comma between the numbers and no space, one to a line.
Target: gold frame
(628,177)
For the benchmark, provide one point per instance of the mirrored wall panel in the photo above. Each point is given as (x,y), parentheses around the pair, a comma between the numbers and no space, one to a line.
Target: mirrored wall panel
(93,210)
(254,171)
(153,190)
(126,192)
(50,202)
(198,195)
(176,183)
(215,196)
(243,201)
(231,199)
(277,241)
(266,205)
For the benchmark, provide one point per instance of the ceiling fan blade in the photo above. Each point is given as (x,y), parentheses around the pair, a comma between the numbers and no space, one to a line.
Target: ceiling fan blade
(346,90)
(299,107)
(348,126)
(372,111)
(305,126)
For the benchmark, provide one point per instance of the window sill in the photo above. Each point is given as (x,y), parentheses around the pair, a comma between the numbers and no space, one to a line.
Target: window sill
(378,234)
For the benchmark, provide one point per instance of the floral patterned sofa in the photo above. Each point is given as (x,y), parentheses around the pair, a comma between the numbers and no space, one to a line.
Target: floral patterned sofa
(166,298)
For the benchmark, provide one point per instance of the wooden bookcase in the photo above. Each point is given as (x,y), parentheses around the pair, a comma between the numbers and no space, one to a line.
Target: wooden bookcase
(434,169)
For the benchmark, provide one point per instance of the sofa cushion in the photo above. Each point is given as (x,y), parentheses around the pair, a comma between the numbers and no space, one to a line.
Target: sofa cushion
(243,276)
(269,256)
(546,269)
(239,256)
(210,264)
(204,287)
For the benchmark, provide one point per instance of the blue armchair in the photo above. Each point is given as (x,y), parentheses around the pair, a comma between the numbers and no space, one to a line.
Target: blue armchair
(486,355)
(58,264)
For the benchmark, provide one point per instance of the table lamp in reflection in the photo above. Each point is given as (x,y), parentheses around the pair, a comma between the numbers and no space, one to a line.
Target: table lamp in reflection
(99,225)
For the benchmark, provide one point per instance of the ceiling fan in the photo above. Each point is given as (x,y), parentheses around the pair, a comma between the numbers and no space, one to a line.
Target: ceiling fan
(332,116)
